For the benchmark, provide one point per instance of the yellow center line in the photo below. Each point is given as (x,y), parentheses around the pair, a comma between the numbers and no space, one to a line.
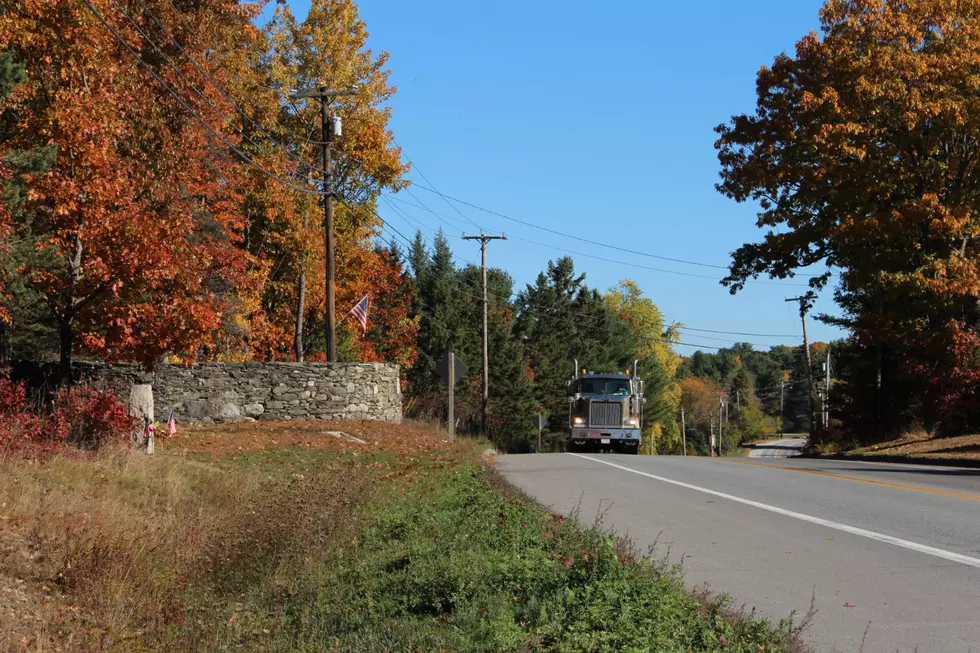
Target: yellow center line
(914,488)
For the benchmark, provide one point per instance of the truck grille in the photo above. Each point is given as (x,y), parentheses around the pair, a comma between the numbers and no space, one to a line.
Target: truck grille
(606,413)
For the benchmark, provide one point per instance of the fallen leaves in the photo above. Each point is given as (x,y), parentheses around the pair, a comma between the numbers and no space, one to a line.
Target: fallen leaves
(363,438)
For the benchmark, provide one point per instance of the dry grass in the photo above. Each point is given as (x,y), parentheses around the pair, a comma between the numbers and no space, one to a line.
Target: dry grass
(104,553)
(920,445)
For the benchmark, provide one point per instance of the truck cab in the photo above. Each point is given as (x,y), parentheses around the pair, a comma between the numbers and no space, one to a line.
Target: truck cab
(605,411)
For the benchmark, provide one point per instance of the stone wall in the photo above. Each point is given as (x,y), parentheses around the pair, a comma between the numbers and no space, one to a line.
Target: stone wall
(221,392)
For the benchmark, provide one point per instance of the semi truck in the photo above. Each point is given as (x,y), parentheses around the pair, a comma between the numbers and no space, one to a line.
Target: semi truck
(605,411)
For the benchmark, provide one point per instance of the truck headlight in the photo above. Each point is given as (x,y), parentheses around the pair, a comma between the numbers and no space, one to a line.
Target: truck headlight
(632,422)
(578,421)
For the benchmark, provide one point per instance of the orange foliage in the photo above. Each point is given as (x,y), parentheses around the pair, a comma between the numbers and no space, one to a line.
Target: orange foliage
(141,208)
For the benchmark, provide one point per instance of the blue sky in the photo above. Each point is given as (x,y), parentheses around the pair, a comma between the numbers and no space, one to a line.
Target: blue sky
(593,119)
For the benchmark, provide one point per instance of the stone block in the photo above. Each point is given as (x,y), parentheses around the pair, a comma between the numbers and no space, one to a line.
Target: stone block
(225,411)
(254,410)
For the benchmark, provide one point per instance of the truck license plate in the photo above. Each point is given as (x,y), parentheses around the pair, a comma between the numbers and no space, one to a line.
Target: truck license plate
(605,440)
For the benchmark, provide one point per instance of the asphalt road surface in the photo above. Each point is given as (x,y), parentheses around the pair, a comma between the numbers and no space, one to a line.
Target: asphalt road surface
(786,448)
(889,554)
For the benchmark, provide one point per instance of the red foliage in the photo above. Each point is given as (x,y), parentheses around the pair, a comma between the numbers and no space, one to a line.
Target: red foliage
(17,423)
(94,419)
(81,417)
(391,334)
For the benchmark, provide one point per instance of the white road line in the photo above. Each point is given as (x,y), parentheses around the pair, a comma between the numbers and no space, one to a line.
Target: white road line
(853,530)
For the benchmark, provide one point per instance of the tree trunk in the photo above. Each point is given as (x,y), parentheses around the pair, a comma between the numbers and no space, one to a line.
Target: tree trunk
(301,303)
(878,354)
(67,317)
(300,310)
(66,339)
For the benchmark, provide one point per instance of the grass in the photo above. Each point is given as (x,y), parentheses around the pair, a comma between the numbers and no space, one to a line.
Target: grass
(225,541)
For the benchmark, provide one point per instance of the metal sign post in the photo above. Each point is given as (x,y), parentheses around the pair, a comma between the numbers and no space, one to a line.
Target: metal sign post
(540,422)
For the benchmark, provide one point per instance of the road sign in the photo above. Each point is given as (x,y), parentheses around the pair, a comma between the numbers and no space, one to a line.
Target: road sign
(459,368)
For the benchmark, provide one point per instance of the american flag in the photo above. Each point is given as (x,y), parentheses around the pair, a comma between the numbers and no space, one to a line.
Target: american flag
(360,311)
(172,424)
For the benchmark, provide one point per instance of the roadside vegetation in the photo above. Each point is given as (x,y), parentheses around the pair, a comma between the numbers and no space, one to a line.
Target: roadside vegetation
(291,538)
(914,445)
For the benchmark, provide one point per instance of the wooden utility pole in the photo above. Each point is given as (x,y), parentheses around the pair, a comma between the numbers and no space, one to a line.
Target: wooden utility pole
(301,291)
(782,394)
(484,239)
(328,129)
(826,393)
(683,431)
(452,397)
(721,419)
(804,300)
(711,429)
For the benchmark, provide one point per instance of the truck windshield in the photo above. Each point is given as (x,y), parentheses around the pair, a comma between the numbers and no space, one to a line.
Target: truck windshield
(604,387)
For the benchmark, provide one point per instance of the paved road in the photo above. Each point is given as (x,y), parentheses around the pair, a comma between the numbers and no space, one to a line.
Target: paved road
(890,550)
(778,448)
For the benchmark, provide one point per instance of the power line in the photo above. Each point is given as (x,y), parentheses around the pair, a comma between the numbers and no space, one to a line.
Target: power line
(415,222)
(594,318)
(428,181)
(737,333)
(190,110)
(559,233)
(146,37)
(210,79)
(439,216)
(683,328)
(602,258)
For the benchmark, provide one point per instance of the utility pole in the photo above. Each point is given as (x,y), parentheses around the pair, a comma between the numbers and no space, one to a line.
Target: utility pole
(484,239)
(452,397)
(328,129)
(738,408)
(683,431)
(711,429)
(721,413)
(782,394)
(826,393)
(809,364)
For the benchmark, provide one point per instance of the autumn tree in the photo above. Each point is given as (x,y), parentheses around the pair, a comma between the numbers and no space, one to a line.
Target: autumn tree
(699,397)
(328,48)
(136,213)
(862,156)
(658,364)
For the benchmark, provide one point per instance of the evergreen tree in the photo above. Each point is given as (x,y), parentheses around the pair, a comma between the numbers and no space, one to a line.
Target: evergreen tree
(561,320)
(27,326)
(439,305)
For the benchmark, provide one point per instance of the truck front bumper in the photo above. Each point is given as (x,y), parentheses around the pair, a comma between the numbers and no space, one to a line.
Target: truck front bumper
(604,436)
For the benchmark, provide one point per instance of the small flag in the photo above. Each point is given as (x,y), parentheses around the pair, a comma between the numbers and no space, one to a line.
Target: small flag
(172,424)
(360,311)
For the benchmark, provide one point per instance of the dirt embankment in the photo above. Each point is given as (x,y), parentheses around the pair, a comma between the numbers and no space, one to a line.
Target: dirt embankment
(964,449)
